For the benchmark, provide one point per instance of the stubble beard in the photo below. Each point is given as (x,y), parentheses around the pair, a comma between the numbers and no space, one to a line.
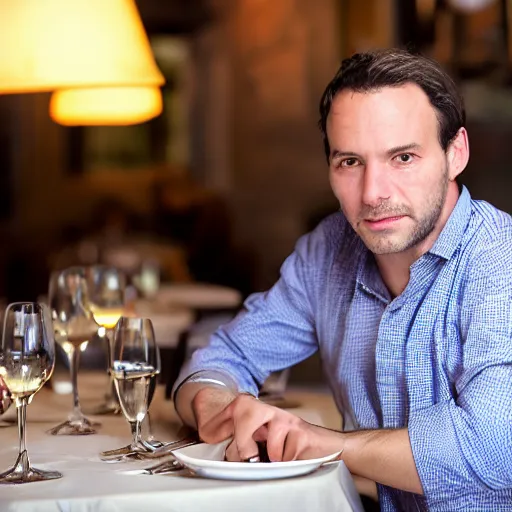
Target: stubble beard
(384,243)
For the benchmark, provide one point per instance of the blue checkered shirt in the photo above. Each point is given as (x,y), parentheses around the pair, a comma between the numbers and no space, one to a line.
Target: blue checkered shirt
(437,359)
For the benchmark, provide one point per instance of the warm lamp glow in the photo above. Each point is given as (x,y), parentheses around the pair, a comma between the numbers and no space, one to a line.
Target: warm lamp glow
(51,44)
(105,106)
(470,6)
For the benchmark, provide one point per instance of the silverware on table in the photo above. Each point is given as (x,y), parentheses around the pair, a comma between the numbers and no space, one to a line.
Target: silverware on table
(171,465)
(157,453)
(168,448)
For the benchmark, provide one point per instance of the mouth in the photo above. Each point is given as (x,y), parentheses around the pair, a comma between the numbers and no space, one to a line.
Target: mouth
(383,222)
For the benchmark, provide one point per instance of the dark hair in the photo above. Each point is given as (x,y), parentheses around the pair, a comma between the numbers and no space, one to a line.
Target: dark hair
(367,72)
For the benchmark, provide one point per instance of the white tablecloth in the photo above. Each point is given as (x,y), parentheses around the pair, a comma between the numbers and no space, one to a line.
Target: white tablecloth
(89,485)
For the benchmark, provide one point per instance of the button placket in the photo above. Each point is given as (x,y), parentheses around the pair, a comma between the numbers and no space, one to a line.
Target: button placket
(390,371)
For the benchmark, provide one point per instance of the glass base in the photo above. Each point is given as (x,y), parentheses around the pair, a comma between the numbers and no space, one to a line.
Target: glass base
(141,451)
(23,473)
(154,442)
(111,406)
(81,427)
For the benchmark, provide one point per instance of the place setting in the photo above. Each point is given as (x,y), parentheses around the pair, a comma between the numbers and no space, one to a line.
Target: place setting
(117,443)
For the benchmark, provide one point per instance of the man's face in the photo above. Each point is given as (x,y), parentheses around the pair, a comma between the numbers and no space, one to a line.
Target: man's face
(387,167)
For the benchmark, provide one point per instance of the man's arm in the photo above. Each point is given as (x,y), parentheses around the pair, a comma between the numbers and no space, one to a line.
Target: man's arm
(198,402)
(384,456)
(275,330)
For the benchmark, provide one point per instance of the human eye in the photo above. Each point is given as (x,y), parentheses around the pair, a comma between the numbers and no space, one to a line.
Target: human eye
(404,158)
(348,162)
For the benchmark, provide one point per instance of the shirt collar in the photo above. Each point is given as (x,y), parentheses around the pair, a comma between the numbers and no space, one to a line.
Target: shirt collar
(451,235)
(369,278)
(368,275)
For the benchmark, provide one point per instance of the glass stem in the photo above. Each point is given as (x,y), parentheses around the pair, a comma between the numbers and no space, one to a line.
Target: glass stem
(136,439)
(22,465)
(109,334)
(74,361)
(22,422)
(150,436)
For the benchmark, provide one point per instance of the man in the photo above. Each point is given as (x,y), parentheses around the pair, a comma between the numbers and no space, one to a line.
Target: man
(407,295)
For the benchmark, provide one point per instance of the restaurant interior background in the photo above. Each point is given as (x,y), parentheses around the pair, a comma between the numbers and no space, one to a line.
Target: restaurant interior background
(233,171)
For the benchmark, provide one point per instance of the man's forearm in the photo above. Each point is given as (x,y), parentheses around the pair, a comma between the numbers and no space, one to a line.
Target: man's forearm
(195,399)
(186,392)
(384,456)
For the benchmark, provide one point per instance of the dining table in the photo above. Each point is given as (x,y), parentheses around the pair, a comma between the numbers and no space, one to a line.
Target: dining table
(91,485)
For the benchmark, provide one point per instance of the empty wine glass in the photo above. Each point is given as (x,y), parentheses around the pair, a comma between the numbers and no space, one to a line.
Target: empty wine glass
(27,359)
(135,366)
(106,287)
(74,327)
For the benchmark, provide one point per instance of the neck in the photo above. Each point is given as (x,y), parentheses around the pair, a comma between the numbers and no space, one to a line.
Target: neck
(395,268)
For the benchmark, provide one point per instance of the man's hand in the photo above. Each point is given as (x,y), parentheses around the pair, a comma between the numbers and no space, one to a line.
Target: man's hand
(288,437)
(384,456)
(208,403)
(197,403)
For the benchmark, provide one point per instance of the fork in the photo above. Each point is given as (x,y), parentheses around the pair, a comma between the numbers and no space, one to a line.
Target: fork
(163,451)
(171,465)
(168,448)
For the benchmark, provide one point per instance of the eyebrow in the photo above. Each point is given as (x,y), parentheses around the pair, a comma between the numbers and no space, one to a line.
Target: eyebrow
(390,152)
(339,154)
(403,149)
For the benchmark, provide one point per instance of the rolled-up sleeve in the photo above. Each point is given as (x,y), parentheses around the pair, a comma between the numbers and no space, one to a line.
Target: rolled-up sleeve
(465,443)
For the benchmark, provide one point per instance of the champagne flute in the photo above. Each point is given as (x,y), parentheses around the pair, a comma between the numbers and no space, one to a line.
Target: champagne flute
(74,327)
(27,359)
(150,438)
(135,366)
(106,286)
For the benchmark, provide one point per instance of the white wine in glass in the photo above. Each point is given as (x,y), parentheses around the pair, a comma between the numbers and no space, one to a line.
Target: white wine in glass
(27,359)
(107,317)
(135,365)
(106,287)
(132,381)
(74,326)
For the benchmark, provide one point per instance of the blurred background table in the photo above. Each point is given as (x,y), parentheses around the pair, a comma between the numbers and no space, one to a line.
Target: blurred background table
(89,484)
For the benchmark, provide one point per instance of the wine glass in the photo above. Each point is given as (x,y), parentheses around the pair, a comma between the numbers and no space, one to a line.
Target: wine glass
(106,287)
(146,425)
(27,359)
(74,327)
(135,366)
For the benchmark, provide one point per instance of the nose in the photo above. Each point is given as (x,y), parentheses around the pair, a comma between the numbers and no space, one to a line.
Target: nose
(375,184)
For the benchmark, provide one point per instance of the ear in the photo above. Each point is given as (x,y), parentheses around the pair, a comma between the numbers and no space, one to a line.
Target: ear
(458,154)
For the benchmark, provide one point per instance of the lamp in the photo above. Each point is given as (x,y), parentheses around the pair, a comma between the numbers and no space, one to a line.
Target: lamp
(469,6)
(51,44)
(116,106)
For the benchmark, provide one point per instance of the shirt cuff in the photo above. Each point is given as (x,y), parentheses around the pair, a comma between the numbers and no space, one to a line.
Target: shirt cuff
(211,378)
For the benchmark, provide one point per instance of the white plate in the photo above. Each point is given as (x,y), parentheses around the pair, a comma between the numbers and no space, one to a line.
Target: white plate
(208,460)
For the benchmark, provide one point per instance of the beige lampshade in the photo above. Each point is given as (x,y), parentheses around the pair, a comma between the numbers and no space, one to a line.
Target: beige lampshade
(104,106)
(51,44)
